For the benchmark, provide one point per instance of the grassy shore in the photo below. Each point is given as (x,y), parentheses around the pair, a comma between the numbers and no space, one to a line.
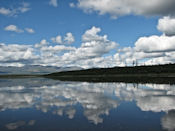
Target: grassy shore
(139,74)
(159,74)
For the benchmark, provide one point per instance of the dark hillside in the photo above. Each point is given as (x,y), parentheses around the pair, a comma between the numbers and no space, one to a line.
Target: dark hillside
(156,69)
(160,74)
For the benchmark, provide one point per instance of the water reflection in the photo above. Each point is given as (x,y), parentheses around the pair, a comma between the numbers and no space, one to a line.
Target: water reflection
(15,125)
(96,99)
(168,120)
(149,97)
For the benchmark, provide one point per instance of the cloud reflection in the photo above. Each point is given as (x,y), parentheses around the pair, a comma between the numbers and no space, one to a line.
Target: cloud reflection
(15,125)
(168,121)
(96,99)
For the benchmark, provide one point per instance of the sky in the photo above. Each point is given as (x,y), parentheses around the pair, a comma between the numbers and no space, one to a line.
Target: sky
(86,33)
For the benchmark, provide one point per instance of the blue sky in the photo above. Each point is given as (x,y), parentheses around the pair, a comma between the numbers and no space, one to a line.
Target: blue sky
(48,21)
(136,29)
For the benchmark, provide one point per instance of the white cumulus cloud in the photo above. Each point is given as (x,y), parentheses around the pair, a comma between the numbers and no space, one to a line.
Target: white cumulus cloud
(16,55)
(53,3)
(125,7)
(4,11)
(30,30)
(155,44)
(167,25)
(57,39)
(22,8)
(41,44)
(13,28)
(69,38)
(93,46)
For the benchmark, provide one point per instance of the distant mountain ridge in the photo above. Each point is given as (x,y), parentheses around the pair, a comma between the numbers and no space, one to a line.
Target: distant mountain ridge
(35,69)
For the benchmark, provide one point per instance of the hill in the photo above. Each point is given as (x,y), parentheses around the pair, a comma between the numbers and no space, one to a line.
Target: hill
(33,70)
(142,74)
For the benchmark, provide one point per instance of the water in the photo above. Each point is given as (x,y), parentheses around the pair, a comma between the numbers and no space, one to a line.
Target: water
(39,104)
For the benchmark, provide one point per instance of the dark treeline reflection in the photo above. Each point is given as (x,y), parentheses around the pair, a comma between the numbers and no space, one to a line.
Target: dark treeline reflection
(90,103)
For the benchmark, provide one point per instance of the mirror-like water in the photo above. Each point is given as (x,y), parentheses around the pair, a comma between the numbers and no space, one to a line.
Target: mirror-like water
(40,104)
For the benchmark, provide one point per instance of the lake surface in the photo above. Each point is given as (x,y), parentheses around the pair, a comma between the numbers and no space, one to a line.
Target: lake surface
(39,104)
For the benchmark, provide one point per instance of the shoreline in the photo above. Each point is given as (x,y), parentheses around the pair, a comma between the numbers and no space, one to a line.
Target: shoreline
(159,74)
(136,78)
(155,79)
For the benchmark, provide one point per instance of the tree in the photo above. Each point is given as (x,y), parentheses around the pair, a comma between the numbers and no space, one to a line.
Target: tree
(133,63)
(125,63)
(136,62)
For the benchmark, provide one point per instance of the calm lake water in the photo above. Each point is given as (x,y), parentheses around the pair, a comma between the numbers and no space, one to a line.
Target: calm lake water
(38,104)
